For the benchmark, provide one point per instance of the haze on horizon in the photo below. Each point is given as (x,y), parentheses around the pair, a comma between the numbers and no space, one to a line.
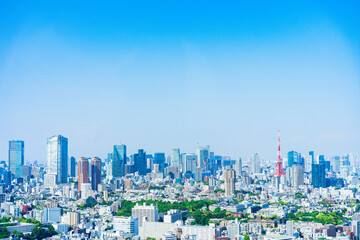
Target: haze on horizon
(174,74)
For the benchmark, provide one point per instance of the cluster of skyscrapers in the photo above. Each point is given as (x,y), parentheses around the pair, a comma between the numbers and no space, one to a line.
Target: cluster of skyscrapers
(202,164)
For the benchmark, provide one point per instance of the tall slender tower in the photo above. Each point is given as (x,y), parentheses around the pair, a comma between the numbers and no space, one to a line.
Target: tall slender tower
(279,167)
(83,169)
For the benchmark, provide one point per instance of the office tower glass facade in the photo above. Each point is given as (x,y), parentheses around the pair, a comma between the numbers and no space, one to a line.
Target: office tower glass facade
(95,173)
(140,162)
(71,167)
(255,163)
(175,157)
(57,157)
(119,161)
(318,175)
(159,158)
(16,157)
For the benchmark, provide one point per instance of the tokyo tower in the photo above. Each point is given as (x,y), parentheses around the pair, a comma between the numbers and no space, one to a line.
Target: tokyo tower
(279,167)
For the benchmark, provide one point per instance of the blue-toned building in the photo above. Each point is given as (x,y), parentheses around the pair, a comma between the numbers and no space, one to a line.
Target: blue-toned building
(318,175)
(159,158)
(140,162)
(294,158)
(119,161)
(16,157)
(312,157)
(71,167)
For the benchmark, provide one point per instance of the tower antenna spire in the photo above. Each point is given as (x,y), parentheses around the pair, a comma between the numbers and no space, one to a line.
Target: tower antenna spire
(279,171)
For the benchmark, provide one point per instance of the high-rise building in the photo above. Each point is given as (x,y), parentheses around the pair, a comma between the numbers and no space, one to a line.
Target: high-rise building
(229,179)
(335,163)
(203,154)
(293,158)
(119,161)
(189,161)
(255,163)
(297,175)
(321,159)
(7,178)
(25,172)
(312,157)
(71,167)
(140,162)
(109,158)
(57,157)
(159,158)
(150,213)
(83,168)
(318,175)
(95,173)
(175,157)
(238,167)
(16,157)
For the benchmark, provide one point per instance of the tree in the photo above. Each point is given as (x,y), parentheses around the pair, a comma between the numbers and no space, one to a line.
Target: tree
(4,233)
(246,237)
(18,234)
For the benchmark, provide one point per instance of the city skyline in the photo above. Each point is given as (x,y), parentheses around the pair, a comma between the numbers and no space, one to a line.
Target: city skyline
(194,74)
(247,156)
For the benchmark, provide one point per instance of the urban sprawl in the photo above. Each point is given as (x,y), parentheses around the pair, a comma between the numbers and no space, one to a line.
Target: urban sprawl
(183,196)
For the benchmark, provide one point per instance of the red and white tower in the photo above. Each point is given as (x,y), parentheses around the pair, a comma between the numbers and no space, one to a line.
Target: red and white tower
(279,171)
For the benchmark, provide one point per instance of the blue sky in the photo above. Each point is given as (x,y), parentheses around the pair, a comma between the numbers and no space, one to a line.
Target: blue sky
(163,74)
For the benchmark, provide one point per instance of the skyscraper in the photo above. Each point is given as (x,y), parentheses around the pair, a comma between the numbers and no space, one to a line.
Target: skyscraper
(83,169)
(71,167)
(312,157)
(119,161)
(293,158)
(321,159)
(203,154)
(255,163)
(318,175)
(229,177)
(335,163)
(175,157)
(189,161)
(297,175)
(95,173)
(238,167)
(16,157)
(159,158)
(57,157)
(140,162)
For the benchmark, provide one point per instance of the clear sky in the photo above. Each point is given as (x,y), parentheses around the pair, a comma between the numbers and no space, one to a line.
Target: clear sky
(163,74)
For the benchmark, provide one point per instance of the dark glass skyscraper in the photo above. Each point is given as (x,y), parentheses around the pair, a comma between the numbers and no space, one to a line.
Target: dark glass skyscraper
(95,173)
(318,175)
(140,162)
(71,167)
(159,158)
(16,157)
(119,160)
